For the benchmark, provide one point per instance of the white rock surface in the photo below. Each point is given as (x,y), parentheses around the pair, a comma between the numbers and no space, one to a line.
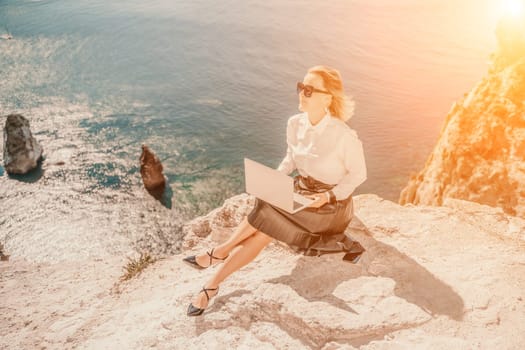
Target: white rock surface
(450,277)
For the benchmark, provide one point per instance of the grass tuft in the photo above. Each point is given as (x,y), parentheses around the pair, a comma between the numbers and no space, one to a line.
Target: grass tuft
(136,266)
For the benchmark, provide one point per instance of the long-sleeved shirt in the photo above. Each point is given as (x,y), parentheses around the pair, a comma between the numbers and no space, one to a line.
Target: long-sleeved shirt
(329,151)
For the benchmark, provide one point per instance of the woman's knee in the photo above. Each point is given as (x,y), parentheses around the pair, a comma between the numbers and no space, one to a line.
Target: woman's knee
(263,237)
(247,224)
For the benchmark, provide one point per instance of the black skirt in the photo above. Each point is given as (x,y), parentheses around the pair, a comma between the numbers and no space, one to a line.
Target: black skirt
(310,231)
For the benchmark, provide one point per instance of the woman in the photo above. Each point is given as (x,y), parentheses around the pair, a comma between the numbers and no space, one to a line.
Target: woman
(328,156)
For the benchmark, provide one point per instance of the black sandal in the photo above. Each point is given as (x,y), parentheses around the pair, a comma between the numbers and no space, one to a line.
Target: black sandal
(191,260)
(195,311)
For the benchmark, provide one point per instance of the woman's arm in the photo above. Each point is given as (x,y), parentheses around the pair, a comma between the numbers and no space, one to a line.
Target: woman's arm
(287,164)
(354,161)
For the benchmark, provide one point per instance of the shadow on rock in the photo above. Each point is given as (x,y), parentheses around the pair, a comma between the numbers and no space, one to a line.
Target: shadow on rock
(414,283)
(316,278)
(311,281)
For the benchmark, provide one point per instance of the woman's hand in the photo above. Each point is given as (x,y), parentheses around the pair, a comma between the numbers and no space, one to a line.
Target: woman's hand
(320,199)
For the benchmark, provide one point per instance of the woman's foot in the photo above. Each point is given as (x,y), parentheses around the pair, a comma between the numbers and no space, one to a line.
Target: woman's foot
(205,260)
(200,302)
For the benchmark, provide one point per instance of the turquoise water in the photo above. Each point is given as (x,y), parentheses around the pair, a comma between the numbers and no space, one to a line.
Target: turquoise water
(205,84)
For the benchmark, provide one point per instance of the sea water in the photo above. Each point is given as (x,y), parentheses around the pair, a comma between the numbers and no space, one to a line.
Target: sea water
(206,83)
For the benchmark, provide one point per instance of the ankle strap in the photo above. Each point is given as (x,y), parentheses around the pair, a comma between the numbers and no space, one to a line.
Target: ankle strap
(204,289)
(214,257)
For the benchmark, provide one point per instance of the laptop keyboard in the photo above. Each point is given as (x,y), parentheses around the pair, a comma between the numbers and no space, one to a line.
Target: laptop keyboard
(297,204)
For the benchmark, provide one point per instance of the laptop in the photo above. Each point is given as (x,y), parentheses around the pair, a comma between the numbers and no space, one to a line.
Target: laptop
(273,186)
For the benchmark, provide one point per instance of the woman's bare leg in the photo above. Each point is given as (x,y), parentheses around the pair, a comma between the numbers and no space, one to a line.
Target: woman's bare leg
(249,248)
(242,231)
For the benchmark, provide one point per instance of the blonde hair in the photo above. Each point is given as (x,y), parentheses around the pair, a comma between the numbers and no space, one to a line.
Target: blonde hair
(342,106)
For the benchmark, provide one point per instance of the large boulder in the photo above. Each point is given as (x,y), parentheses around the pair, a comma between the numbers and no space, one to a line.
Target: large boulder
(21,150)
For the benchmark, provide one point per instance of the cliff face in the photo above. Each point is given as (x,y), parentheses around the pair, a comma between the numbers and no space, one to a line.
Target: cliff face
(480,154)
(449,277)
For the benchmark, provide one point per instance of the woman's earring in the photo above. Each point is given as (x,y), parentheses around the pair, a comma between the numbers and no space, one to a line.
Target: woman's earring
(326,109)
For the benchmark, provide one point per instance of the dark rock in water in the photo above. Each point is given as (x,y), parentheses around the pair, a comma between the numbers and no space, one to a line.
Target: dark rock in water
(3,257)
(21,150)
(151,171)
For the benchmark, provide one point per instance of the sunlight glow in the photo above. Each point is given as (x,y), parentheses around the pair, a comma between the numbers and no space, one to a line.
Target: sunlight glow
(514,8)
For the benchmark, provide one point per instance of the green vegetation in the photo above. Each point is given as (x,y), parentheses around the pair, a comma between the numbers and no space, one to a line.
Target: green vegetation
(136,266)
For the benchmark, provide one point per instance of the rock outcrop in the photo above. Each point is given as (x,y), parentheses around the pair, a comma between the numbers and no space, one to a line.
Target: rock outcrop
(450,277)
(480,154)
(21,150)
(151,171)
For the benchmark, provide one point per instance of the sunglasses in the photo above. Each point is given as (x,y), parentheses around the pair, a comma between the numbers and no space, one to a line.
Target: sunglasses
(309,89)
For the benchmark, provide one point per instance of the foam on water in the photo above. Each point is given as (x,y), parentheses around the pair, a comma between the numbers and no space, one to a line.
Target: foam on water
(115,126)
(92,206)
(209,102)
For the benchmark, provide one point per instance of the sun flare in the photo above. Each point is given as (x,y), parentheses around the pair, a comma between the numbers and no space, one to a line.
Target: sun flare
(514,8)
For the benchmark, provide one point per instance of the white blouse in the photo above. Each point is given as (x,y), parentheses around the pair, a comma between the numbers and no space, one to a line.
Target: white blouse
(329,151)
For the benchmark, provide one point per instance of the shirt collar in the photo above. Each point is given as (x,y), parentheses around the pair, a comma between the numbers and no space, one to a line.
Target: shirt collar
(319,127)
